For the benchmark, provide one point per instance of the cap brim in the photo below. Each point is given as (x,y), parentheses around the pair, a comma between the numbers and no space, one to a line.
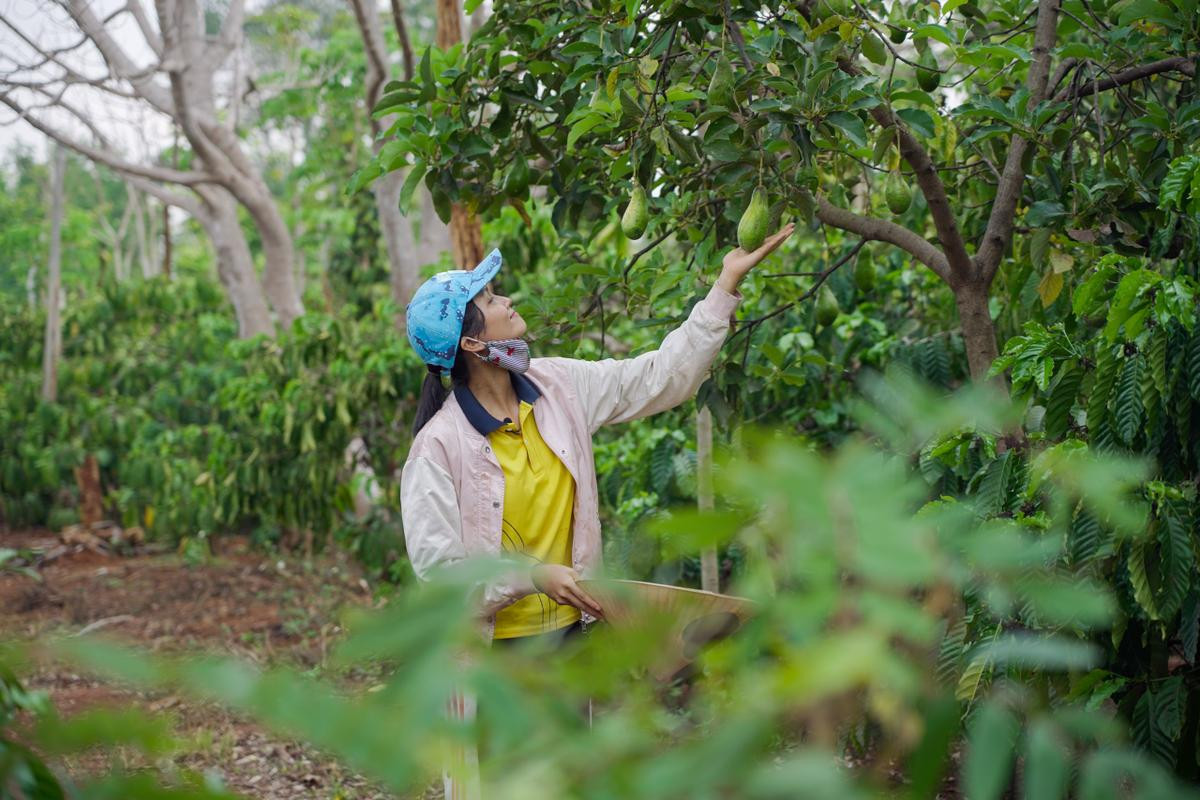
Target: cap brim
(486,270)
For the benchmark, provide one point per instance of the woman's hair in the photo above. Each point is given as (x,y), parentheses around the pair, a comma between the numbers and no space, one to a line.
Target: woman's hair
(433,394)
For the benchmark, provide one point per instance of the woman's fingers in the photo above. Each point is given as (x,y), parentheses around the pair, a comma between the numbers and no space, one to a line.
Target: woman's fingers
(777,239)
(580,600)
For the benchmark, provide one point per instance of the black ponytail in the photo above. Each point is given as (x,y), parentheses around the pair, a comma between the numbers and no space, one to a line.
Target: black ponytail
(433,393)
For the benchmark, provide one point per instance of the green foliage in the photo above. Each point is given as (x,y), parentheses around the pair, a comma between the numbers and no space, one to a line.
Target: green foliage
(1116,371)
(847,582)
(195,431)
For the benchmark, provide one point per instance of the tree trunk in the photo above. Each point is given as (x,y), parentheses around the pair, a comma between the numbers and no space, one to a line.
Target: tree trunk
(235,266)
(434,236)
(397,231)
(398,236)
(710,576)
(166,236)
(140,222)
(91,499)
(52,345)
(979,334)
(466,235)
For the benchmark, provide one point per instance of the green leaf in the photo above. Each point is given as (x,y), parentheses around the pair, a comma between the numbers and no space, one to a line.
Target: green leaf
(992,494)
(1044,212)
(581,127)
(928,761)
(850,125)
(415,174)
(1193,364)
(1128,413)
(1047,766)
(917,120)
(428,85)
(992,738)
(1039,247)
(1086,539)
(1176,556)
(1158,719)
(1062,397)
(1041,652)
(1104,378)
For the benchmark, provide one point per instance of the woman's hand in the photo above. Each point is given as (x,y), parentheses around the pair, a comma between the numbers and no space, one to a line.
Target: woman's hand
(559,583)
(738,262)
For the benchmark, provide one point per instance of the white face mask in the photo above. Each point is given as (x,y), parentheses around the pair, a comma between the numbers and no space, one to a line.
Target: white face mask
(509,354)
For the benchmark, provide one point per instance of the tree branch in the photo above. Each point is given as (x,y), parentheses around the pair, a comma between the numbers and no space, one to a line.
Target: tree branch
(955,256)
(1177,64)
(999,230)
(106,158)
(405,43)
(377,66)
(882,230)
(118,61)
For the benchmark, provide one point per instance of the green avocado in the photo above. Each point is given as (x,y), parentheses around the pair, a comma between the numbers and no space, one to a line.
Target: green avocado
(518,178)
(827,306)
(897,194)
(752,227)
(637,214)
(928,78)
(720,88)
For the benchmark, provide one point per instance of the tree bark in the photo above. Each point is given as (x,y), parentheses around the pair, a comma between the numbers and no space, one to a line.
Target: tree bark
(166,236)
(975,321)
(466,234)
(52,343)
(235,266)
(397,231)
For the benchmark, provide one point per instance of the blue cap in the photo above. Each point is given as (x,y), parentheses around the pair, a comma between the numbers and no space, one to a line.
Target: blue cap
(435,314)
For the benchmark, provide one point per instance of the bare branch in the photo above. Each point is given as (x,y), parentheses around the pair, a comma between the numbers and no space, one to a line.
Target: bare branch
(186,202)
(1000,223)
(106,157)
(118,61)
(377,66)
(883,230)
(1177,64)
(405,41)
(949,235)
(143,21)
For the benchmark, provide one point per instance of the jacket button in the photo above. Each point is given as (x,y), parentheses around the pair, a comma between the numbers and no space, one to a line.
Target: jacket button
(495,504)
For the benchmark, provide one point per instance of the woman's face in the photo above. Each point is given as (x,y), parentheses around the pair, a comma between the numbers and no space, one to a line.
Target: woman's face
(500,320)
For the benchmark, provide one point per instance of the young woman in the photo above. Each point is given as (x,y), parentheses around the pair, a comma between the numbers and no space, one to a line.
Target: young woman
(502,464)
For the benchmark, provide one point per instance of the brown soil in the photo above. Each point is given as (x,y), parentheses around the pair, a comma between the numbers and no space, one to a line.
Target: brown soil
(268,610)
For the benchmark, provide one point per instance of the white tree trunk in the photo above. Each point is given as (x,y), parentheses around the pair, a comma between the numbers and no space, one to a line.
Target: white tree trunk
(397,231)
(52,343)
(140,222)
(235,266)
(434,235)
(31,286)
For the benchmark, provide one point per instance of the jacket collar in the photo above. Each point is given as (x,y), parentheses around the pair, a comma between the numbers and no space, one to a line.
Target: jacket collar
(478,416)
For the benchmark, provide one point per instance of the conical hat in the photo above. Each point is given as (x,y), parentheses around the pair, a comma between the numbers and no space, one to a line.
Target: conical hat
(695,617)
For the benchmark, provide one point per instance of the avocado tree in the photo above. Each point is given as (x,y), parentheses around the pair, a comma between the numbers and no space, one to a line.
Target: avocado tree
(1053,121)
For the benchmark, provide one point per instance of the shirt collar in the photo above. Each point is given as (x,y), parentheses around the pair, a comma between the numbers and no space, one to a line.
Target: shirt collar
(478,416)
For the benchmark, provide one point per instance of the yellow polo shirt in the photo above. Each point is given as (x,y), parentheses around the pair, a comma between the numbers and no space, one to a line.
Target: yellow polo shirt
(539,495)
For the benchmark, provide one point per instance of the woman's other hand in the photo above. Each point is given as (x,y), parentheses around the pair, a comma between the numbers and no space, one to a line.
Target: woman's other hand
(558,582)
(738,262)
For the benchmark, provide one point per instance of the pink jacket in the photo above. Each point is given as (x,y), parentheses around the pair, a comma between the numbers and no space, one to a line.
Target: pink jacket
(452,487)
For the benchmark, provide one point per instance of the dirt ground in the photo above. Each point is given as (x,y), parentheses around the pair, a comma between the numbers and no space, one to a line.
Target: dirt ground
(268,610)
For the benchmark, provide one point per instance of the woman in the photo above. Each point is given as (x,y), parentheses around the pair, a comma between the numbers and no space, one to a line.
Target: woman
(502,464)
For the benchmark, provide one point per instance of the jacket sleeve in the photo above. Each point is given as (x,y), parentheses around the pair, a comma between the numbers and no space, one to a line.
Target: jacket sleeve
(613,390)
(433,533)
